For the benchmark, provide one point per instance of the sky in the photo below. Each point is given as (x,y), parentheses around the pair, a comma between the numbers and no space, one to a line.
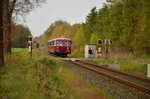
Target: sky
(72,11)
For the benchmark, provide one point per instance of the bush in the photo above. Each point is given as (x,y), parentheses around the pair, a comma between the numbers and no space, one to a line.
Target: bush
(50,63)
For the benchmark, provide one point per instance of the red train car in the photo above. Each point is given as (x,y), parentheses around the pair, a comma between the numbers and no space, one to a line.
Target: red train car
(60,46)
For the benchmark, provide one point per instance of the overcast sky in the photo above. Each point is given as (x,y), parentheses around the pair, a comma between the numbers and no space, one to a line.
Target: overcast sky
(72,11)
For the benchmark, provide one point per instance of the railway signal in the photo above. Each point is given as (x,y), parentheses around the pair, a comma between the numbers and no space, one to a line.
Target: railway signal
(99,51)
(100,42)
(29,39)
(107,47)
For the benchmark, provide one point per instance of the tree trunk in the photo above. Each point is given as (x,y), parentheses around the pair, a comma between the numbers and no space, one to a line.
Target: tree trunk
(1,34)
(7,27)
(7,36)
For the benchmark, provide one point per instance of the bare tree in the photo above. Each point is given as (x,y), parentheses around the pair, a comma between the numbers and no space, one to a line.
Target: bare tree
(13,8)
(1,34)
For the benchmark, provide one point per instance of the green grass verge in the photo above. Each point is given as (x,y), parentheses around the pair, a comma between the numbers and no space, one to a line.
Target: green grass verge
(36,78)
(127,63)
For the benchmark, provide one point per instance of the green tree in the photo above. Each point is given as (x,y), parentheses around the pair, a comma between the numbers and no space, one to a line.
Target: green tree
(78,41)
(90,25)
(131,17)
(103,23)
(145,27)
(94,39)
(116,27)
(19,35)
(78,38)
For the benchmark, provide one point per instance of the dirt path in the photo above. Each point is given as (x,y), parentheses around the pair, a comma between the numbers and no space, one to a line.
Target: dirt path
(81,88)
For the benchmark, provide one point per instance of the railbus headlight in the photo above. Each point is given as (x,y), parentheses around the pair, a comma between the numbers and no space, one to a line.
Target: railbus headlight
(57,50)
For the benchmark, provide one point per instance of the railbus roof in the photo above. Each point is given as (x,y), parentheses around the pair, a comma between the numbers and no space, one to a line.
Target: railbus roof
(60,39)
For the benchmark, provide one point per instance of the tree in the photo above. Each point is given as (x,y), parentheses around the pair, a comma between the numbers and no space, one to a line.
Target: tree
(90,26)
(144,37)
(8,11)
(19,35)
(1,34)
(116,27)
(103,23)
(131,19)
(78,40)
(61,29)
(55,30)
(12,8)
(94,39)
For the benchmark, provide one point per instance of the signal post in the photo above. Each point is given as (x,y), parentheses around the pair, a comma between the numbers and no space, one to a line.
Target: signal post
(30,46)
(99,51)
(107,48)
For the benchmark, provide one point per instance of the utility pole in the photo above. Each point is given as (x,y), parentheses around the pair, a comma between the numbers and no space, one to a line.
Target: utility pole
(1,34)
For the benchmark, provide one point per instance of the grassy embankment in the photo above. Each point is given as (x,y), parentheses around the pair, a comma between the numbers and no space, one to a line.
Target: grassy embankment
(36,78)
(128,63)
(39,78)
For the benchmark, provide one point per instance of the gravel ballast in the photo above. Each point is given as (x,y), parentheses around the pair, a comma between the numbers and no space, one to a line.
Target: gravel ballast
(115,89)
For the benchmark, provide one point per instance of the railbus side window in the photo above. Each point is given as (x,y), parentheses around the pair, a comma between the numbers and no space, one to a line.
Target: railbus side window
(52,43)
(48,43)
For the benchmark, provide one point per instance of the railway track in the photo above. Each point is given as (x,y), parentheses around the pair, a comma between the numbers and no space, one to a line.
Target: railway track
(140,83)
(143,79)
(135,81)
(118,88)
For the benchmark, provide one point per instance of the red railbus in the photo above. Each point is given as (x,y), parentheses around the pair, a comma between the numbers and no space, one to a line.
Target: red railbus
(60,46)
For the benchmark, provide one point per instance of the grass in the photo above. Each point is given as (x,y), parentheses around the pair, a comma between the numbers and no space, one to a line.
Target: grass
(19,50)
(39,77)
(128,63)
(36,78)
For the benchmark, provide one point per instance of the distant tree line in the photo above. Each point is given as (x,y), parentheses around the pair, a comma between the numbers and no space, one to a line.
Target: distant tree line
(19,35)
(125,22)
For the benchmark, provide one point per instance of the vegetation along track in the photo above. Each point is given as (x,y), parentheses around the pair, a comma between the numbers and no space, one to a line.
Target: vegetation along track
(143,79)
(137,82)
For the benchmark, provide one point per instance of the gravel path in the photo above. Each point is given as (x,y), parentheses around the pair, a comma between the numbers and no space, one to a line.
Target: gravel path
(115,89)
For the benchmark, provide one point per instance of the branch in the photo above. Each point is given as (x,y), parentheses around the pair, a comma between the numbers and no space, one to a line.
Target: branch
(12,6)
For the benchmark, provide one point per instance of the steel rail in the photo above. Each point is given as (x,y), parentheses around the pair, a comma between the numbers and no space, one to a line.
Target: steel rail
(114,78)
(119,72)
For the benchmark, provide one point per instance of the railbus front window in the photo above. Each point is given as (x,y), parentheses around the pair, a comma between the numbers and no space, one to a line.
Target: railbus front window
(66,43)
(58,43)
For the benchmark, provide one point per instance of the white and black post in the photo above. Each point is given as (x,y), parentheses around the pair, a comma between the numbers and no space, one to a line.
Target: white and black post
(30,46)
